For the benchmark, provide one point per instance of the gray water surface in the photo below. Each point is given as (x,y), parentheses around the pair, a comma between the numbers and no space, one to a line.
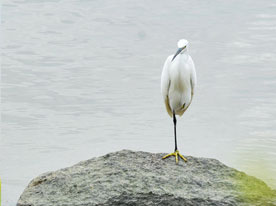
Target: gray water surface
(81,78)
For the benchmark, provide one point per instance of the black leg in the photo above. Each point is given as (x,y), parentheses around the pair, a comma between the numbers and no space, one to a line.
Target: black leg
(174,122)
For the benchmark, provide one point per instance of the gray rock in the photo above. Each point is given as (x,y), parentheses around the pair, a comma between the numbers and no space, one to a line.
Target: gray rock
(142,178)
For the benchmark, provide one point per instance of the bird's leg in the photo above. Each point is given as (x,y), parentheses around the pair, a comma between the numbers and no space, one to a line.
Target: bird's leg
(174,122)
(176,152)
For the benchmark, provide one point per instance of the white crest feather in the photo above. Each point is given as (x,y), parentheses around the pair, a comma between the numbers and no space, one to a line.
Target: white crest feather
(182,43)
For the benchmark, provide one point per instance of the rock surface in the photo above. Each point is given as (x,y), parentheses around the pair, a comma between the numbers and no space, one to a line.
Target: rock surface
(141,178)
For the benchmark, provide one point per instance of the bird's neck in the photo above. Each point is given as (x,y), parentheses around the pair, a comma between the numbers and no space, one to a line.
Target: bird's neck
(184,51)
(184,55)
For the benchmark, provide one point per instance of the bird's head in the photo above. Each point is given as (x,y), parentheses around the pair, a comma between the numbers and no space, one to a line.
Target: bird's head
(182,45)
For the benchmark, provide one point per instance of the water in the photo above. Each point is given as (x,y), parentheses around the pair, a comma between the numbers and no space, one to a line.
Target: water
(82,78)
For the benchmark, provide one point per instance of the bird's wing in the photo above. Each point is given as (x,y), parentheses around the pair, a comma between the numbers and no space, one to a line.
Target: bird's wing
(193,82)
(168,107)
(193,79)
(165,84)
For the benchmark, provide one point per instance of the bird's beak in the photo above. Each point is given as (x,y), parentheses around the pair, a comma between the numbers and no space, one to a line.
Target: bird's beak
(177,52)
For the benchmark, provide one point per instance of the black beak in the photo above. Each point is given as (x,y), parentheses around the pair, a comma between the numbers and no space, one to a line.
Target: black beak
(177,52)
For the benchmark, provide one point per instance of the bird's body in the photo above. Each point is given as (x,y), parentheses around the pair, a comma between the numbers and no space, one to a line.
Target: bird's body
(178,81)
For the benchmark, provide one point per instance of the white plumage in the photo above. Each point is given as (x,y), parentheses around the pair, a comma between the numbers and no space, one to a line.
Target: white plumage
(178,80)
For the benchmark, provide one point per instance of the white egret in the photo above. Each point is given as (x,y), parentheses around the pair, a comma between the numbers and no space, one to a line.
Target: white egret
(178,81)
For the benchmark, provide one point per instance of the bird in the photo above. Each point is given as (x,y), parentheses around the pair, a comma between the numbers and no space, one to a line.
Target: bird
(178,81)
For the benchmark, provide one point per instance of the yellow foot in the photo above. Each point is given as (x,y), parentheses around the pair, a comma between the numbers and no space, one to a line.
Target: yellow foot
(176,154)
